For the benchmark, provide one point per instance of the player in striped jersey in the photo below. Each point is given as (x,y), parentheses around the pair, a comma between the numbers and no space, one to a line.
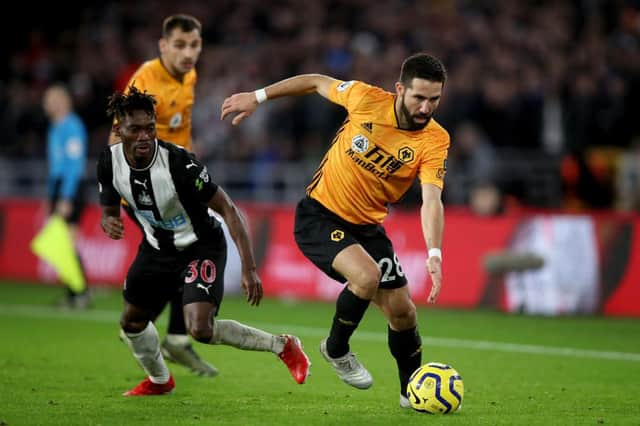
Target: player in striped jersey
(387,141)
(171,78)
(168,192)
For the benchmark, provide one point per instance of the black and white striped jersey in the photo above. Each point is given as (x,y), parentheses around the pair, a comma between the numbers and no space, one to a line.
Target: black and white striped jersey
(168,198)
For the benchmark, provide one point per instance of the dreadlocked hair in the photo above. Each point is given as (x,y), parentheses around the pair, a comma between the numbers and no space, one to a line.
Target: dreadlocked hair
(120,104)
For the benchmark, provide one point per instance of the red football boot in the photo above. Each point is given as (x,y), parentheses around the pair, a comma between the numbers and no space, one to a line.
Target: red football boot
(147,388)
(295,359)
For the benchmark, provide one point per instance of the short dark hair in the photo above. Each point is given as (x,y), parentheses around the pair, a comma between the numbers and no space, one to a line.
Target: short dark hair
(186,23)
(424,66)
(121,105)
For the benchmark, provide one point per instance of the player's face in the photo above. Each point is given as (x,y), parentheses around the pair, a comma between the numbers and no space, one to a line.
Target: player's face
(180,51)
(417,102)
(138,133)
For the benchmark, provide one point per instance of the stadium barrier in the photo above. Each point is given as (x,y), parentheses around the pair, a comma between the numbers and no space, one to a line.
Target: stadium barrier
(539,263)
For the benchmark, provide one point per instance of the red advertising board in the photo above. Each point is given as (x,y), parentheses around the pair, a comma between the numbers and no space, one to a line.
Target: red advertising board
(287,273)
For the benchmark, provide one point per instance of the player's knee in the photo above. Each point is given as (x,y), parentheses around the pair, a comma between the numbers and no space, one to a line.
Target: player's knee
(404,317)
(364,283)
(367,278)
(133,326)
(201,331)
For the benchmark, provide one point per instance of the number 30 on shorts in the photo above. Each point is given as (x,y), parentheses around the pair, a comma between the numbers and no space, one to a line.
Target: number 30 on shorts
(206,271)
(390,268)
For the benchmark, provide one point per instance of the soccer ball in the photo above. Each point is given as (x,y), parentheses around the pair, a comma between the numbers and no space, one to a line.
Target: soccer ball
(435,388)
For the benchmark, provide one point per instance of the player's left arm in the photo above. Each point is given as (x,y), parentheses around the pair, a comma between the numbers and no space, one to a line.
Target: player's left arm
(432,220)
(251,284)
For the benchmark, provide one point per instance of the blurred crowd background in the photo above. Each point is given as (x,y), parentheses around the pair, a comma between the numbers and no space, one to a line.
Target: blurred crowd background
(541,102)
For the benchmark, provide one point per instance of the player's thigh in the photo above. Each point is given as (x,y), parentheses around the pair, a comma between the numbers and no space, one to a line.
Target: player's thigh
(321,237)
(152,280)
(380,248)
(358,267)
(203,278)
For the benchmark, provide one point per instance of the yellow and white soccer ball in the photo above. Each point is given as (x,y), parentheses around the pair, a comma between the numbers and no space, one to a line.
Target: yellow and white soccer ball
(435,388)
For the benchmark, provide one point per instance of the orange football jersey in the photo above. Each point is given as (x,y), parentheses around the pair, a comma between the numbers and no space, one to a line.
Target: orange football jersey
(174,100)
(371,162)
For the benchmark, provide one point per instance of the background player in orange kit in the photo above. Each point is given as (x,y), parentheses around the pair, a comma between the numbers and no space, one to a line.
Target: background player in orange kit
(386,142)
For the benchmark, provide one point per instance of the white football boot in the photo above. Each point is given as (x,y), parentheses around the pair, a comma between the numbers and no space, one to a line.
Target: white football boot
(348,368)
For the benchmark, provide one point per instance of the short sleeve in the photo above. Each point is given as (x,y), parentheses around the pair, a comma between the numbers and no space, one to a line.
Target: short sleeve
(434,164)
(109,196)
(349,94)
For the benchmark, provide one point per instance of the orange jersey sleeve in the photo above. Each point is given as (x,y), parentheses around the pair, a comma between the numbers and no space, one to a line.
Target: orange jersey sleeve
(174,100)
(371,163)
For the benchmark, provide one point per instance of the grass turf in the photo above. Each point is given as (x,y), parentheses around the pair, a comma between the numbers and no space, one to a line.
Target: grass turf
(63,368)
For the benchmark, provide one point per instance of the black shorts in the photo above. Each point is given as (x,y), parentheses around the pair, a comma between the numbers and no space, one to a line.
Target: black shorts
(321,235)
(77,204)
(155,278)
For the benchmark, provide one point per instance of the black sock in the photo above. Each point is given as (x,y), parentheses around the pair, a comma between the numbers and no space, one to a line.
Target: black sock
(406,348)
(176,316)
(349,311)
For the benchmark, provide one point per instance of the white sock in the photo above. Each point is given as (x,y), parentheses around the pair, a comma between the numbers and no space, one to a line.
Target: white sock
(177,339)
(233,333)
(146,349)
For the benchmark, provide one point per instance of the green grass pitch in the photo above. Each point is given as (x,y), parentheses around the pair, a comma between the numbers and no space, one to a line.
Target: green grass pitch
(69,368)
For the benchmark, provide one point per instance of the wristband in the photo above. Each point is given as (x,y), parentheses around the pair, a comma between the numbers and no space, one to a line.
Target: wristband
(261,95)
(435,252)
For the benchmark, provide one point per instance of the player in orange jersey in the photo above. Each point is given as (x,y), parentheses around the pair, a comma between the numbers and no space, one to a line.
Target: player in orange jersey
(171,79)
(386,142)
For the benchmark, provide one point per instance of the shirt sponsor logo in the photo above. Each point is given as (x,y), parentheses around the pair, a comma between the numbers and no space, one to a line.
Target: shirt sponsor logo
(359,143)
(376,161)
(169,224)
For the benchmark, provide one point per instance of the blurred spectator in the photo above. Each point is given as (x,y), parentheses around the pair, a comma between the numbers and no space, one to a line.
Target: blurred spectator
(628,180)
(471,163)
(486,200)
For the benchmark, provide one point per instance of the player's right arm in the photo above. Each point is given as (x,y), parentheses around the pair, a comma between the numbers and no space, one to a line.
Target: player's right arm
(110,221)
(244,104)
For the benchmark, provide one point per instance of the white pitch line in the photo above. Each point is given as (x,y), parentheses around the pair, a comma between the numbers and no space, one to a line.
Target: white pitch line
(105,316)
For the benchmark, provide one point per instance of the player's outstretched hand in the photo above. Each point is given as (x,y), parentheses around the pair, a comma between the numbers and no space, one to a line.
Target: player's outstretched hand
(252,287)
(113,227)
(434,267)
(241,103)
